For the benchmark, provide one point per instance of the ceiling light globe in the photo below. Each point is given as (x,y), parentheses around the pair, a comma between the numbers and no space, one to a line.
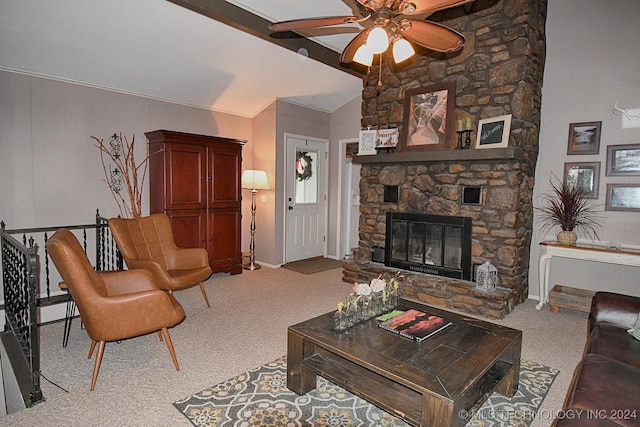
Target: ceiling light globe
(378,41)
(363,56)
(402,50)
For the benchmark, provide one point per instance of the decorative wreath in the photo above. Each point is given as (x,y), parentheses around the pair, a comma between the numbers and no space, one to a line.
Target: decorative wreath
(303,166)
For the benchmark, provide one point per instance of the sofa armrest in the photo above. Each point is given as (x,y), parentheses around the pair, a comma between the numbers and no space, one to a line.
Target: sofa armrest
(617,309)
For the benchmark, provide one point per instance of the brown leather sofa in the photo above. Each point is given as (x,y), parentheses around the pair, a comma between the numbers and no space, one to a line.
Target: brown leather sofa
(605,390)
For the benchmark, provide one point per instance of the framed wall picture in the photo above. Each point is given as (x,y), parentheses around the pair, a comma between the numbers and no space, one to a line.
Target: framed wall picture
(427,122)
(584,138)
(585,175)
(494,132)
(623,197)
(623,159)
(367,142)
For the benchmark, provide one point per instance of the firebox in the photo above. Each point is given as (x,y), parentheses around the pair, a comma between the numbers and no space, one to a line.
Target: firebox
(432,244)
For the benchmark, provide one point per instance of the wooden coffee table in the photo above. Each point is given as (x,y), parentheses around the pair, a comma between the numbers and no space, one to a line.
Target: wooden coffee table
(439,382)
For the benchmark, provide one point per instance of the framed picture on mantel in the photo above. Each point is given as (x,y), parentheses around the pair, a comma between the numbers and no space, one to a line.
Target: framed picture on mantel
(427,122)
(494,132)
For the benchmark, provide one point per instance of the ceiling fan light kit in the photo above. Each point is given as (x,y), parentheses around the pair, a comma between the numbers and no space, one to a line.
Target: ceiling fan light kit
(393,22)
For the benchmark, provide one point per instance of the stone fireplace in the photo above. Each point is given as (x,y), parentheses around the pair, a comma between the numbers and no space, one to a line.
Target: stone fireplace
(498,72)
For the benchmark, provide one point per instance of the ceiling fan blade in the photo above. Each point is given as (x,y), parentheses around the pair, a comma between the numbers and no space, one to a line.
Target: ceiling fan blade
(432,35)
(350,50)
(300,24)
(424,6)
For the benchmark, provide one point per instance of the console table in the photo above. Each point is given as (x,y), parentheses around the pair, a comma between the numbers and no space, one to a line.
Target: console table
(586,252)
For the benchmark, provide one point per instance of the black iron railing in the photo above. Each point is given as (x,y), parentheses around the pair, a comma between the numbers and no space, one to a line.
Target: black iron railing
(26,279)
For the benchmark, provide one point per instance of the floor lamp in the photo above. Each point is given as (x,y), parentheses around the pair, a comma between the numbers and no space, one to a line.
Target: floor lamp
(254,180)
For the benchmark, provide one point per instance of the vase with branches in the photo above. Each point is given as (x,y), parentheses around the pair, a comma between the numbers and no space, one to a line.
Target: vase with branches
(572,209)
(123,175)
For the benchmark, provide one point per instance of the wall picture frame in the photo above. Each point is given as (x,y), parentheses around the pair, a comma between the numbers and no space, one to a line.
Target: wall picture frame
(367,142)
(427,122)
(623,160)
(494,132)
(623,197)
(584,138)
(585,175)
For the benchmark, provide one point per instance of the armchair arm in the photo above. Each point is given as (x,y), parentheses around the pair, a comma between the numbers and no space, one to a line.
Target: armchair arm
(618,309)
(128,281)
(188,258)
(160,275)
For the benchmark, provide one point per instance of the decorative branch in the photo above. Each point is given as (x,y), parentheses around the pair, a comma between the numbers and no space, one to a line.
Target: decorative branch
(125,171)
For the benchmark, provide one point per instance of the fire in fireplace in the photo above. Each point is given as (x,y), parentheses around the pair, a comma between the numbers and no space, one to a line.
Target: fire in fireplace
(433,244)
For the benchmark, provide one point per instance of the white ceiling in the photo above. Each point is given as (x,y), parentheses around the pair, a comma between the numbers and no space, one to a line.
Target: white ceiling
(157,49)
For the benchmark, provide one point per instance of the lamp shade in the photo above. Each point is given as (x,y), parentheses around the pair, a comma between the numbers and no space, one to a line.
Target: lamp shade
(378,40)
(402,50)
(363,56)
(255,180)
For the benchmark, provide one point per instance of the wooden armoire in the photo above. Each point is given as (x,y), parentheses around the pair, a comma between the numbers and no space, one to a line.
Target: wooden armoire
(196,181)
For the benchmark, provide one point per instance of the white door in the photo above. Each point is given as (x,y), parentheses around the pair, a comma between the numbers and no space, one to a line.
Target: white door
(350,208)
(306,198)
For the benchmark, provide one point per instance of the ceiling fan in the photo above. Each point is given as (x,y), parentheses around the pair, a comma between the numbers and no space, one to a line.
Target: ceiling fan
(395,22)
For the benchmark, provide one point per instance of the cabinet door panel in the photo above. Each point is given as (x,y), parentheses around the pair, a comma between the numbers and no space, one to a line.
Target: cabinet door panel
(223,243)
(189,228)
(224,172)
(185,166)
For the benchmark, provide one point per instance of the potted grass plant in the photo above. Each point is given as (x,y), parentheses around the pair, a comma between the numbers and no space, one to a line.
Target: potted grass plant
(572,209)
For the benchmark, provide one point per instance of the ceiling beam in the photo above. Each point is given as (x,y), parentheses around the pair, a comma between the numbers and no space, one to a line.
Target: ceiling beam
(241,19)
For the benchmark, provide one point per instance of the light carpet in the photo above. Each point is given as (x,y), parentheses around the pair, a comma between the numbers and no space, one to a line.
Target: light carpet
(313,265)
(260,397)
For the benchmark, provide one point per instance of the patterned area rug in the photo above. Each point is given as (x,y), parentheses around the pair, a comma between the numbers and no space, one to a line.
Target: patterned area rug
(260,398)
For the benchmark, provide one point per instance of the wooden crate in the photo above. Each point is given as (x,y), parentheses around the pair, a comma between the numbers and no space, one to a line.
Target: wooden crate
(572,298)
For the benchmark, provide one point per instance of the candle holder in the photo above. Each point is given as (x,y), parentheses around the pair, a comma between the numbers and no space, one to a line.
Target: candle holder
(460,133)
(464,143)
(467,140)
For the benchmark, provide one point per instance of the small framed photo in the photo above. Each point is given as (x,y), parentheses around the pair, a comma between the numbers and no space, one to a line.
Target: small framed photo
(623,160)
(584,138)
(494,132)
(427,121)
(367,142)
(585,175)
(623,197)
(387,139)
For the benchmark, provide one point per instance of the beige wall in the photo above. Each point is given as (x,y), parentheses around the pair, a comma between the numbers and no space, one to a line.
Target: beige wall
(50,170)
(592,60)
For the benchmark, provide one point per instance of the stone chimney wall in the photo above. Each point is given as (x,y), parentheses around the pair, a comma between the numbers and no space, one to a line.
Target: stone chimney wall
(499,71)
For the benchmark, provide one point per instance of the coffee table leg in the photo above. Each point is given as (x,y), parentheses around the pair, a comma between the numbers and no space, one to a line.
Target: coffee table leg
(509,384)
(299,379)
(437,413)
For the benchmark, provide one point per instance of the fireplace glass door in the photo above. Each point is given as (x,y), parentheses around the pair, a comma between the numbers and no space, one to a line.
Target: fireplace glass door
(429,243)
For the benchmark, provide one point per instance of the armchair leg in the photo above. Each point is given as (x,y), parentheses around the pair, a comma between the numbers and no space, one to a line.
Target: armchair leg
(167,338)
(96,366)
(204,294)
(91,348)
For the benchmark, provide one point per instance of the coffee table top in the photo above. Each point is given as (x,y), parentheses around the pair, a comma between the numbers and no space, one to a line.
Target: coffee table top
(445,363)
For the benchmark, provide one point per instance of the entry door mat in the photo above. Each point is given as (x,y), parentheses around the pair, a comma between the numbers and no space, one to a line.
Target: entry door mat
(260,398)
(313,265)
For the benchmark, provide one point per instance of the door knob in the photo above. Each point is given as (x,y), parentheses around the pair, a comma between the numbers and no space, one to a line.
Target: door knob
(290,208)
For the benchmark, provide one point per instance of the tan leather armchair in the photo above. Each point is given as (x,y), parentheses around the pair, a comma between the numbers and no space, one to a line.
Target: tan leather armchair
(147,242)
(113,305)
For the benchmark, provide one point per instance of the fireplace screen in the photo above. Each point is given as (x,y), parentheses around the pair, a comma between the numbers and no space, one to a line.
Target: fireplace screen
(431,244)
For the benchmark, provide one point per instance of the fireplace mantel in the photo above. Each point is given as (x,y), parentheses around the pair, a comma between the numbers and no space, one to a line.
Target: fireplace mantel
(508,153)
